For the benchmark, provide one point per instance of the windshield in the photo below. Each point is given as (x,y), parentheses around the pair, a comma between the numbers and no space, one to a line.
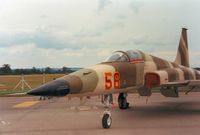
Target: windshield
(121,56)
(118,56)
(134,54)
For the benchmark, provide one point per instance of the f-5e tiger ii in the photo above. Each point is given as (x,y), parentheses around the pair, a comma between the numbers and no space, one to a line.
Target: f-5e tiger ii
(126,71)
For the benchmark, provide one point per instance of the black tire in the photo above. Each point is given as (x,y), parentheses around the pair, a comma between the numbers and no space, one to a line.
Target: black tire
(106,121)
(123,104)
(120,103)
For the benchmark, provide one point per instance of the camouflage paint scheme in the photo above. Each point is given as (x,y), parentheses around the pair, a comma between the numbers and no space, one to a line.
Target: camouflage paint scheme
(142,72)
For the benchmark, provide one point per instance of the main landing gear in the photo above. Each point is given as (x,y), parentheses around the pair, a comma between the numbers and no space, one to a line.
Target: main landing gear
(122,101)
(106,119)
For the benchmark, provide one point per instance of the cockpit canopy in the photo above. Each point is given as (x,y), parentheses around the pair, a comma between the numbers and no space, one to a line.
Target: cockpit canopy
(127,56)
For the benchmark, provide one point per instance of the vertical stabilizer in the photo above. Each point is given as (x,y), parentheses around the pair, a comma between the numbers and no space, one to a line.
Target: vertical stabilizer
(182,57)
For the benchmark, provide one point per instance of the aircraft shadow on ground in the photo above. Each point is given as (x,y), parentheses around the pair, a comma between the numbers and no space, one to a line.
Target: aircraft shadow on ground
(164,109)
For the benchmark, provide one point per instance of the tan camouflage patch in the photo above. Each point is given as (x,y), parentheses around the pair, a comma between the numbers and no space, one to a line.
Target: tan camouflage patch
(139,73)
(163,76)
(180,74)
(100,69)
(89,79)
(149,66)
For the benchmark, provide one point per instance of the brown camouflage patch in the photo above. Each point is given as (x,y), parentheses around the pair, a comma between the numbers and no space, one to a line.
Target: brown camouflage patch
(186,73)
(172,74)
(160,63)
(183,53)
(174,65)
(74,82)
(127,73)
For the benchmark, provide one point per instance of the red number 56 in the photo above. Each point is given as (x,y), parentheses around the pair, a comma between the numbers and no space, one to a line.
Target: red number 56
(112,79)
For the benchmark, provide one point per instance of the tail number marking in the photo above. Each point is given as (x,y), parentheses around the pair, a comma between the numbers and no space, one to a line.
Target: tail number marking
(112,80)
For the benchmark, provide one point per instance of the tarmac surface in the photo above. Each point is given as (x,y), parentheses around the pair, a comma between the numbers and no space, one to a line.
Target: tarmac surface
(166,116)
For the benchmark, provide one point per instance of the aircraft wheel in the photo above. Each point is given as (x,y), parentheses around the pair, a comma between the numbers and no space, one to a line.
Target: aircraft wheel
(120,103)
(123,104)
(106,121)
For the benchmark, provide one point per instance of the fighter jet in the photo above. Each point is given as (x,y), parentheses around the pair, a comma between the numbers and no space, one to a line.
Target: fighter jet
(124,72)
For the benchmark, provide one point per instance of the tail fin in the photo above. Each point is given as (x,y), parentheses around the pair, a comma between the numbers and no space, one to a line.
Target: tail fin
(182,57)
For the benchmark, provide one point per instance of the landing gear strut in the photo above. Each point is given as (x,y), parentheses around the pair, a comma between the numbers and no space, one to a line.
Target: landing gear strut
(122,101)
(106,119)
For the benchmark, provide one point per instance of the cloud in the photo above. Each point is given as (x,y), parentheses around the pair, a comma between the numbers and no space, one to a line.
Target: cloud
(136,6)
(102,4)
(39,38)
(43,16)
(168,55)
(122,17)
(144,40)
(79,32)
(194,57)
(28,55)
(84,34)
(104,53)
(111,25)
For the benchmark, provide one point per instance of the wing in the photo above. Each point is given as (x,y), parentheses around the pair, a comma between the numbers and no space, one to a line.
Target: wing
(182,83)
(170,89)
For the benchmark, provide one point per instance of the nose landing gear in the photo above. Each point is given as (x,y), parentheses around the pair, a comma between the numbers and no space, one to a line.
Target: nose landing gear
(106,119)
(107,101)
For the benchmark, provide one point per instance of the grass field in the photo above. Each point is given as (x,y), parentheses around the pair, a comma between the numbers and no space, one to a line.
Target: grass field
(8,82)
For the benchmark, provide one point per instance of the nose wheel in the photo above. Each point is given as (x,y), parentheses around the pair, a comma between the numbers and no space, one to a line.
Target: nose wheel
(106,120)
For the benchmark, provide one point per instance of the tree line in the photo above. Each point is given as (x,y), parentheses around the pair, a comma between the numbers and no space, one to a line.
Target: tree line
(6,69)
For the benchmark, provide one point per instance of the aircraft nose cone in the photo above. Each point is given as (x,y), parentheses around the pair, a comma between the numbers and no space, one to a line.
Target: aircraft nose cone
(54,88)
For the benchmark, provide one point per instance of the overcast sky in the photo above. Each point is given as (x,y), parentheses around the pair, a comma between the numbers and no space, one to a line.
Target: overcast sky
(79,33)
